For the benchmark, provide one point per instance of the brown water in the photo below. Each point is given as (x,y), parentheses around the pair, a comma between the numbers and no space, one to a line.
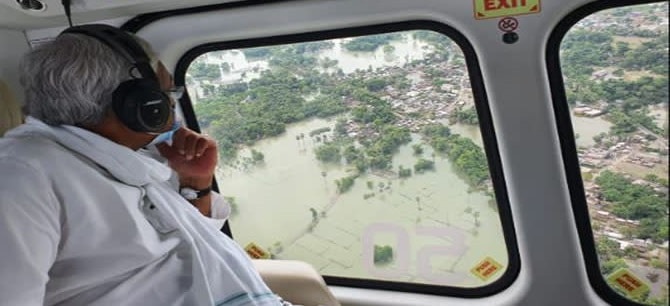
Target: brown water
(275,201)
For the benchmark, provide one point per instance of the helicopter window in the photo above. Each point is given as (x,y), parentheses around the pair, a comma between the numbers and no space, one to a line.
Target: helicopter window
(615,71)
(361,155)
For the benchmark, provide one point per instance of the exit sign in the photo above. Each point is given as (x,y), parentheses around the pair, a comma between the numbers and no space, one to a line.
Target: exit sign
(485,9)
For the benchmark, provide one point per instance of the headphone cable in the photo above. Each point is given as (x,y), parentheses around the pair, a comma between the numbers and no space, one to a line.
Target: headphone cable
(66,7)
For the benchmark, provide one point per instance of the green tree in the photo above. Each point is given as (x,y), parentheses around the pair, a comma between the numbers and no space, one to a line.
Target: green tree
(344,184)
(328,152)
(383,254)
(257,156)
(636,202)
(418,150)
(404,172)
(422,165)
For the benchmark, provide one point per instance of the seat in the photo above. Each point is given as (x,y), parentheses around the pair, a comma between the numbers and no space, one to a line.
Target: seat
(295,281)
(10,111)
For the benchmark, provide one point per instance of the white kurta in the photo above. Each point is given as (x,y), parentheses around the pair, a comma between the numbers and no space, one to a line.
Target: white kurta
(85,221)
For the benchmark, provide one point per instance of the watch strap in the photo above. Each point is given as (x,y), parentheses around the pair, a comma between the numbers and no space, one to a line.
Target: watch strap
(194,194)
(204,192)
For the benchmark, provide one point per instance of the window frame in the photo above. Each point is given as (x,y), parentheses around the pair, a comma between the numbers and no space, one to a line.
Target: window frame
(486,129)
(568,145)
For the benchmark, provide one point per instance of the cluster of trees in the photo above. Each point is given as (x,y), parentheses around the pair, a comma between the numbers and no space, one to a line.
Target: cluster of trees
(241,114)
(383,254)
(404,172)
(257,156)
(276,51)
(375,153)
(370,42)
(610,255)
(422,165)
(313,46)
(327,63)
(441,43)
(467,157)
(466,116)
(373,109)
(324,106)
(583,51)
(344,184)
(204,70)
(636,202)
(328,153)
(655,179)
(436,39)
(650,55)
(257,53)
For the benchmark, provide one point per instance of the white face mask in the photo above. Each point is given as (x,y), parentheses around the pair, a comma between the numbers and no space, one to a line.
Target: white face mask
(167,136)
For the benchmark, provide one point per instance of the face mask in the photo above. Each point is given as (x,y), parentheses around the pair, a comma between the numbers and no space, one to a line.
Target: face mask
(167,136)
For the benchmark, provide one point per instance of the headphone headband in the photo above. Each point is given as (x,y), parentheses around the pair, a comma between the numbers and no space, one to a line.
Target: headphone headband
(139,102)
(121,42)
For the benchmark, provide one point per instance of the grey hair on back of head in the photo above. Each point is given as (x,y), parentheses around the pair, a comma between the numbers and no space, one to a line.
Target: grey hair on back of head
(71,79)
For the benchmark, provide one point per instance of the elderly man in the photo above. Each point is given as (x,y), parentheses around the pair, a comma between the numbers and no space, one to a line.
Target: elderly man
(86,217)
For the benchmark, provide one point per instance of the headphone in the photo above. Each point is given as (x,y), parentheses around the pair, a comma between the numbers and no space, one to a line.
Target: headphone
(139,102)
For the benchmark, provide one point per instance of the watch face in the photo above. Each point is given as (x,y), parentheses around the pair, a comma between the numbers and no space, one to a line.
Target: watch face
(188,193)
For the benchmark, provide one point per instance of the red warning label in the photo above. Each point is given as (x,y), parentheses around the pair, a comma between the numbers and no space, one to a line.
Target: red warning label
(485,9)
(256,252)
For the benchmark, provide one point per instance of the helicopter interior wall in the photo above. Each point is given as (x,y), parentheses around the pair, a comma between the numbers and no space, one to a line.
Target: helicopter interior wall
(52,13)
(9,58)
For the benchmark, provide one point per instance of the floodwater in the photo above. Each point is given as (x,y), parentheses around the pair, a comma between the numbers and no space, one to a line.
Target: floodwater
(405,51)
(587,127)
(419,215)
(438,229)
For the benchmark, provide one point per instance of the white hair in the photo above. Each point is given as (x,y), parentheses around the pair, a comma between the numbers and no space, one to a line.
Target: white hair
(71,79)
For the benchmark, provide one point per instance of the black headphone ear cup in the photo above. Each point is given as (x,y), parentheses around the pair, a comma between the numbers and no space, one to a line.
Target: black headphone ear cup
(142,106)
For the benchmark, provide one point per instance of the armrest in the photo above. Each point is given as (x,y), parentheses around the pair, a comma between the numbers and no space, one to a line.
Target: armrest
(296,282)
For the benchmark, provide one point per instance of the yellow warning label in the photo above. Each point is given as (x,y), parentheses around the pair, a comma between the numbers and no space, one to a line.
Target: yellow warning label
(627,282)
(486,268)
(256,252)
(485,9)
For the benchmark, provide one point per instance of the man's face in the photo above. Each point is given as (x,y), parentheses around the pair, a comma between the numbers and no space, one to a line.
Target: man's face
(164,77)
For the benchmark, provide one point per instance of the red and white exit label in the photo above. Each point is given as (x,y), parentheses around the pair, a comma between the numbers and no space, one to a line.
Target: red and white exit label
(485,9)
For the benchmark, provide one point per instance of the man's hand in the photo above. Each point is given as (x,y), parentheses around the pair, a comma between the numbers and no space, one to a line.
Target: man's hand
(193,157)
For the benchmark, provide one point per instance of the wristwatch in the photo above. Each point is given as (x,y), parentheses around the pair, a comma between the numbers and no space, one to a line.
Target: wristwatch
(194,194)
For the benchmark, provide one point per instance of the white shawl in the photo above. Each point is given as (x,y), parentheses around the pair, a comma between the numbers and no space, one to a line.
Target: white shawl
(221,272)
